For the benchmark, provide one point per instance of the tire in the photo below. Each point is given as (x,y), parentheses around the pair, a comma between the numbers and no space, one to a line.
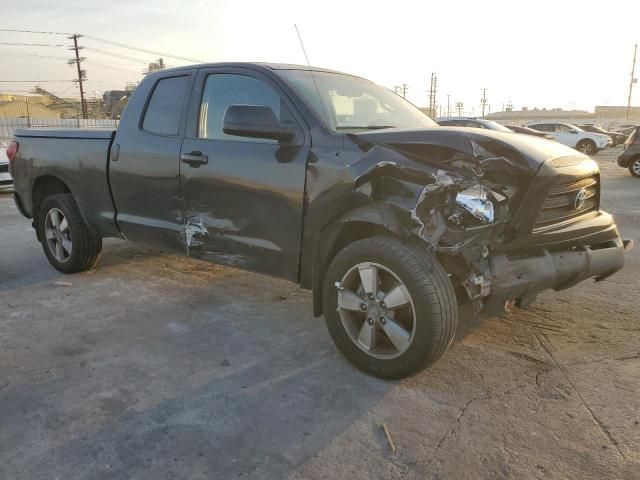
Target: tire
(70,248)
(634,167)
(429,295)
(588,147)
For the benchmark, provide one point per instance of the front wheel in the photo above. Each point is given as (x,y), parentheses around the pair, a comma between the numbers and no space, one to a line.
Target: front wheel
(67,243)
(389,307)
(634,167)
(588,147)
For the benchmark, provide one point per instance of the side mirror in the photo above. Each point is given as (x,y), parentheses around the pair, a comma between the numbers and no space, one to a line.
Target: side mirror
(255,121)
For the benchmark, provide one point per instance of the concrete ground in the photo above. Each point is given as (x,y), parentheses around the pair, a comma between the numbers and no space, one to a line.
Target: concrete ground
(154,367)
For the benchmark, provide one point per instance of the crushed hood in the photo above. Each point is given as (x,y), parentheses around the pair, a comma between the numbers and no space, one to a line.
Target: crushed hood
(525,154)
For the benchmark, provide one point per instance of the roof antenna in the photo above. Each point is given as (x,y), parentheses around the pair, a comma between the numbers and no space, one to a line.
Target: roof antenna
(313,77)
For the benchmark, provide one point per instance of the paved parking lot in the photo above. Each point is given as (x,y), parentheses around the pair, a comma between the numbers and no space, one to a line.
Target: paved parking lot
(153,367)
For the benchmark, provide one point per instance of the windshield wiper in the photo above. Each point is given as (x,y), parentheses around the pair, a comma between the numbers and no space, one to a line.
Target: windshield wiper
(368,127)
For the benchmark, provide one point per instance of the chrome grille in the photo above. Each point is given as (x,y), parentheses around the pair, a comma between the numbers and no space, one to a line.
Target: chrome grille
(561,203)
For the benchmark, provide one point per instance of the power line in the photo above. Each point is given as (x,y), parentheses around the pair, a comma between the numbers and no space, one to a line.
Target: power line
(32,44)
(32,31)
(35,81)
(152,52)
(17,54)
(118,55)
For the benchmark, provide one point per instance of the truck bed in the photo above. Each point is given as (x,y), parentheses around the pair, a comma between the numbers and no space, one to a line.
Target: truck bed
(80,159)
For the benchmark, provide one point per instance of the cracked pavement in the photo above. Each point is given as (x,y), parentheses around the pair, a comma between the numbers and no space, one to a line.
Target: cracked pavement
(152,366)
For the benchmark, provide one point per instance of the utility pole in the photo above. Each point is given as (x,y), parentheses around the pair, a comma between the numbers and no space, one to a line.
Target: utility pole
(633,80)
(401,90)
(82,74)
(448,106)
(459,106)
(432,95)
(483,100)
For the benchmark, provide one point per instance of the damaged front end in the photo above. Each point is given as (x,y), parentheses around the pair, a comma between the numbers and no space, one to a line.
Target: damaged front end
(476,201)
(459,214)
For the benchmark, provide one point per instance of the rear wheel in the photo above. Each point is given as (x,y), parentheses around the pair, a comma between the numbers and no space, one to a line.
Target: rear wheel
(634,167)
(389,307)
(588,147)
(66,241)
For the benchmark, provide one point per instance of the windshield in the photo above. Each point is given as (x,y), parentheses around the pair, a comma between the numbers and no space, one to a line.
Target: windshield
(496,126)
(352,103)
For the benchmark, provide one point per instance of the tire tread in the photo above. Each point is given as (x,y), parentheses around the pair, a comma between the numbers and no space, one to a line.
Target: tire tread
(86,247)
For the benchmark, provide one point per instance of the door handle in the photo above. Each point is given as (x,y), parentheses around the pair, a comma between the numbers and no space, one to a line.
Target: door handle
(194,159)
(115,152)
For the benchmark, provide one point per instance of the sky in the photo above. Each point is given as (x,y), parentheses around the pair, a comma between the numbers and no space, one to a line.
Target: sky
(545,54)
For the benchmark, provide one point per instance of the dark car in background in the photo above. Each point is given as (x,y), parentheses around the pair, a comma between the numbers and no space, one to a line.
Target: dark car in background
(630,156)
(471,122)
(617,138)
(529,131)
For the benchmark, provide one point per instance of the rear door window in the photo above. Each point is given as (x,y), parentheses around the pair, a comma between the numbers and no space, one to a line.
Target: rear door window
(564,128)
(165,106)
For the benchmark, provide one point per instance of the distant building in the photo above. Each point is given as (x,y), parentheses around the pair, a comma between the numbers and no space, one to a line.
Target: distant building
(607,111)
(114,102)
(155,67)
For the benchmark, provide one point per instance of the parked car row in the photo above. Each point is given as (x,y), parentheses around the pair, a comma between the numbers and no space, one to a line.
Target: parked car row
(617,138)
(587,138)
(573,136)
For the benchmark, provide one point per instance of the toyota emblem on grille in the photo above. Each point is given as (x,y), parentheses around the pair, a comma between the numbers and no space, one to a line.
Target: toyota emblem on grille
(581,197)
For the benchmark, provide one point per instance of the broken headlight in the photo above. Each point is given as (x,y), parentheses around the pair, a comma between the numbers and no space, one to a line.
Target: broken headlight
(476,201)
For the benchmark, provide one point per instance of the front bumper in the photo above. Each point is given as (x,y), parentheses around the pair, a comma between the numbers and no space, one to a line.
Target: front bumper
(19,206)
(521,279)
(624,160)
(5,176)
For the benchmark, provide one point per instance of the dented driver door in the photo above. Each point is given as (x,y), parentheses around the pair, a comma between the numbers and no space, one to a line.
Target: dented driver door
(244,197)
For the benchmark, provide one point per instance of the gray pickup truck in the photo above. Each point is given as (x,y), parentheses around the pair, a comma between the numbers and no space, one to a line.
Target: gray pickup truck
(332,182)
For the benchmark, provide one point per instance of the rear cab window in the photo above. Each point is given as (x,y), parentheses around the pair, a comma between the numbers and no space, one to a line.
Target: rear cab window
(162,115)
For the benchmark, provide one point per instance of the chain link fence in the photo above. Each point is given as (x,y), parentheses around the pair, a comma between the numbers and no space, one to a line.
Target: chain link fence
(8,125)
(38,112)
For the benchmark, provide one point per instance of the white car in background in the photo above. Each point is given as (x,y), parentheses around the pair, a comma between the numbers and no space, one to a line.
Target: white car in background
(572,136)
(5,176)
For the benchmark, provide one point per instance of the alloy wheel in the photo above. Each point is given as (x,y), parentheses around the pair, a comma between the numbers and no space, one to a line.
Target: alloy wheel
(586,148)
(636,167)
(376,310)
(58,235)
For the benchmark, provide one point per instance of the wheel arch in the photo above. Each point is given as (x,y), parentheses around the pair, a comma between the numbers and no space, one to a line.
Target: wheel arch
(634,159)
(43,187)
(377,219)
(586,140)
